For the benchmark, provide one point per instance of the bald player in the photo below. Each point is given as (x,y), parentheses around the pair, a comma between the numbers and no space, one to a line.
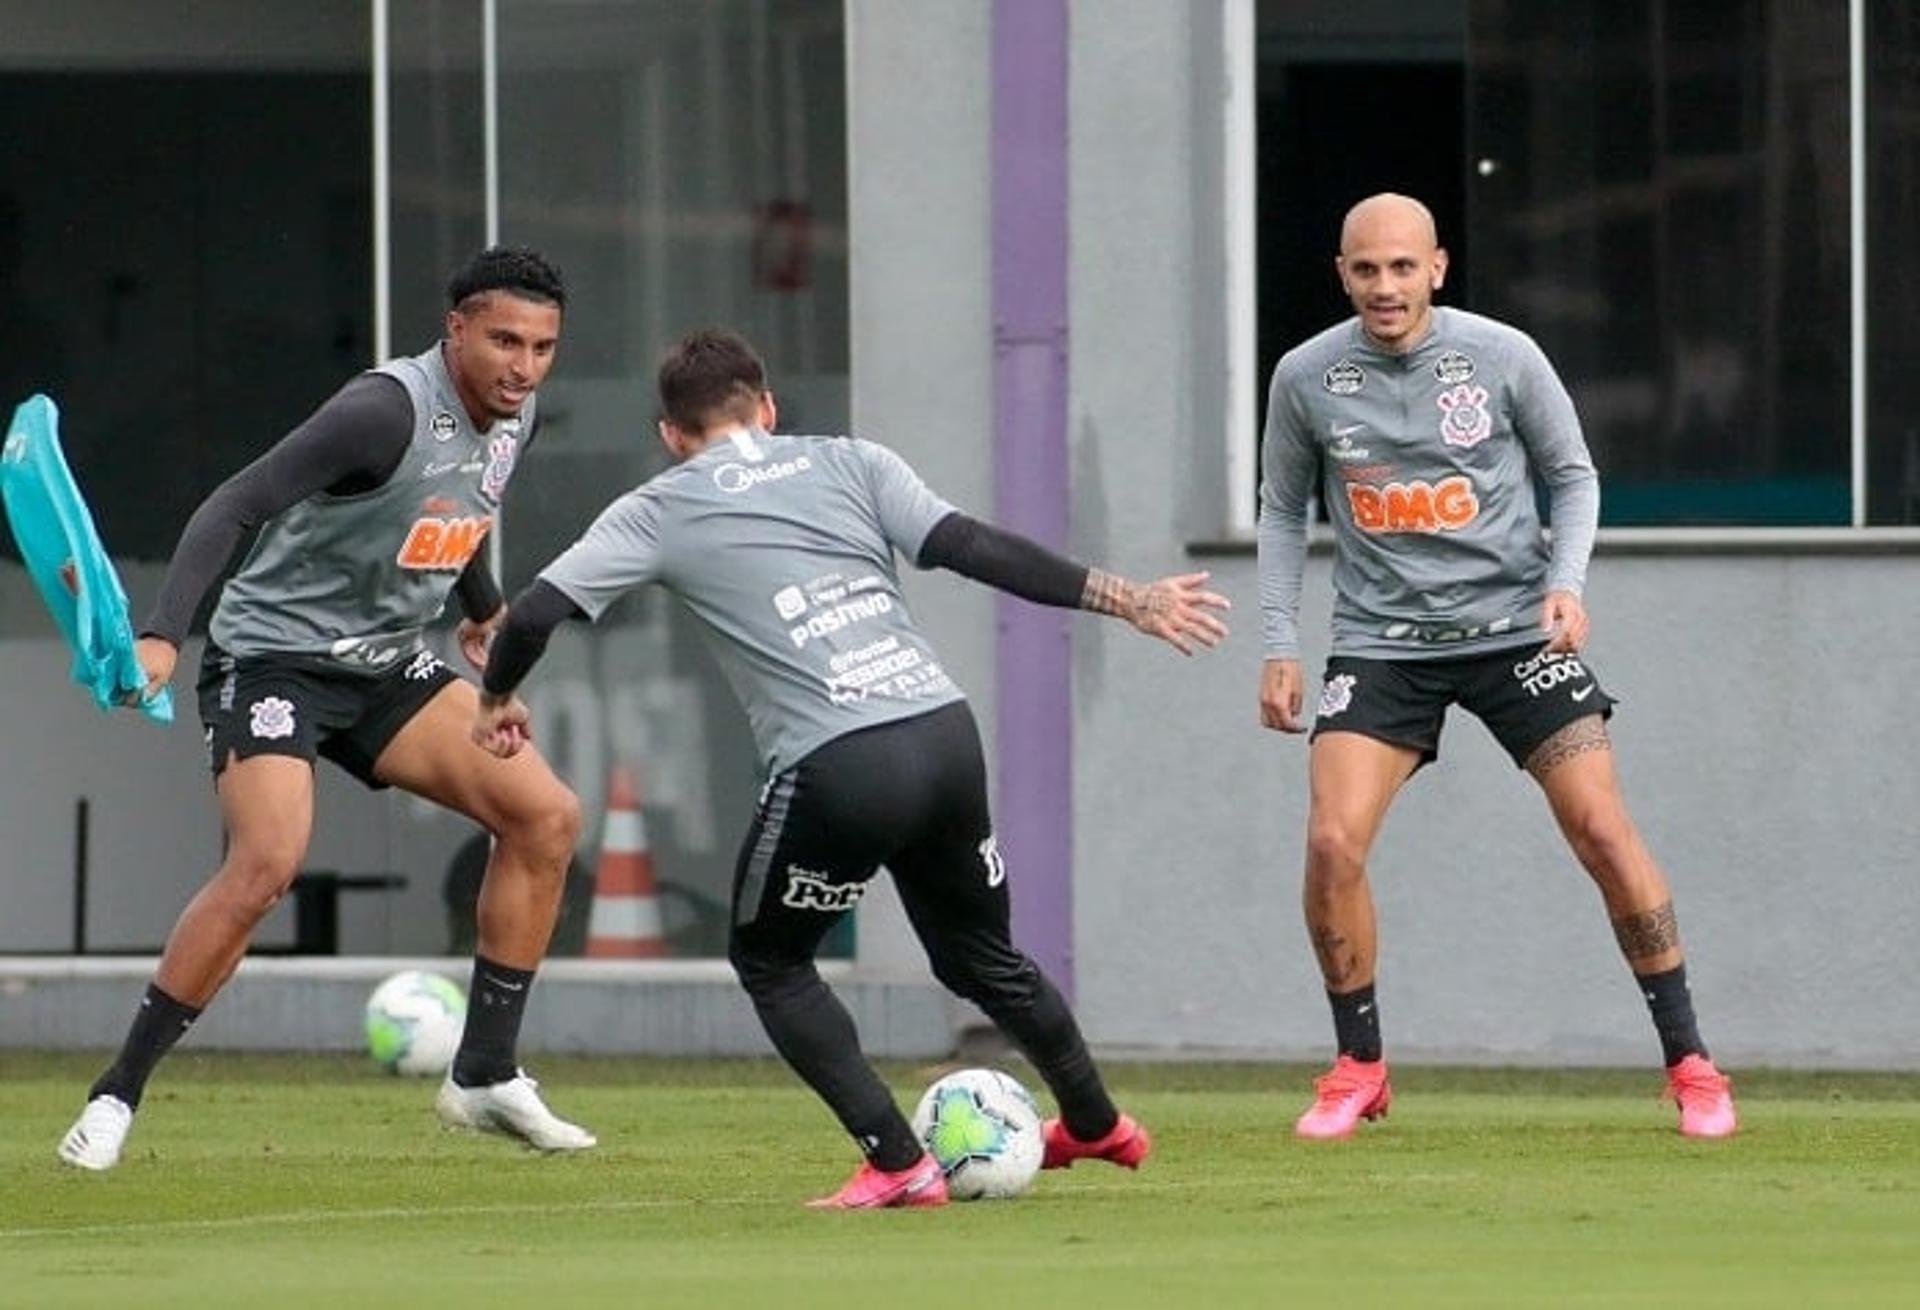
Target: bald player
(1424,431)
(786,549)
(371,515)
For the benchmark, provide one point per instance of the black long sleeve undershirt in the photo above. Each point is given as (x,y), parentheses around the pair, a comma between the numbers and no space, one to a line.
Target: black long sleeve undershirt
(1005,560)
(522,639)
(351,444)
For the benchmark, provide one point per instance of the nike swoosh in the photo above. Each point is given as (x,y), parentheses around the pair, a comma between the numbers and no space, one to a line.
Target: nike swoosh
(1584,692)
(1348,430)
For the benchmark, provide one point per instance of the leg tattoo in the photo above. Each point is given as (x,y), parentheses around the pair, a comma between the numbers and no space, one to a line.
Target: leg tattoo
(1338,963)
(1653,932)
(1577,738)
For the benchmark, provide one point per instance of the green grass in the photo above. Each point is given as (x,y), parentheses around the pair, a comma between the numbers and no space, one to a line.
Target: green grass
(289,1182)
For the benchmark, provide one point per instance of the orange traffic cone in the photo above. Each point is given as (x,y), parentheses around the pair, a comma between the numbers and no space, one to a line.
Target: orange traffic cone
(625,923)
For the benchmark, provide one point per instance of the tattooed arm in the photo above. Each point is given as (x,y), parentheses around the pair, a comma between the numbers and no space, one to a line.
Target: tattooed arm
(1173,609)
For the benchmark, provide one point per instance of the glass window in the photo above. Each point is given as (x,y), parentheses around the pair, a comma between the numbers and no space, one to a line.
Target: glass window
(1657,192)
(1893,276)
(1660,196)
(686,166)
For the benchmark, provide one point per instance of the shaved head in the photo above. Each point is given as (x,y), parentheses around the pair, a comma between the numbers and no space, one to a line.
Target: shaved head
(1393,218)
(1390,264)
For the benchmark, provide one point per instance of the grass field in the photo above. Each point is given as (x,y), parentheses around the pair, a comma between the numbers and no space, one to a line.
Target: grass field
(290,1182)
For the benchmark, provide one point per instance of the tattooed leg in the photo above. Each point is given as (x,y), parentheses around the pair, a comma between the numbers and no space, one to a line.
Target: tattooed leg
(1339,962)
(1646,935)
(1577,738)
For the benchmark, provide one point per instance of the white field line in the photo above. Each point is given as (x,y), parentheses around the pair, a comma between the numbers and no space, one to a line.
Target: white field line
(283,1218)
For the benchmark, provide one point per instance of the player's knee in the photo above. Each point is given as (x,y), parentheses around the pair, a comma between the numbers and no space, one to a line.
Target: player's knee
(766,975)
(990,982)
(1336,858)
(1603,839)
(253,880)
(547,828)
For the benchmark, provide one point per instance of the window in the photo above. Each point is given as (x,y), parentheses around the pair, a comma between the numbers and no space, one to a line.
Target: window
(1661,194)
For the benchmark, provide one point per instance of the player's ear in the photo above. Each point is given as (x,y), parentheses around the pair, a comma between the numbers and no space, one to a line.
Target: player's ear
(769,412)
(1439,267)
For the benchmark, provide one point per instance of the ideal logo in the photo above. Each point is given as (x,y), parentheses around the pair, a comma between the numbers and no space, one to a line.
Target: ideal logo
(442,543)
(809,890)
(1417,506)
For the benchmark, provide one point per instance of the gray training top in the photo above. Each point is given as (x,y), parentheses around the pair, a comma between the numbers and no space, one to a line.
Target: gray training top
(1426,464)
(783,547)
(352,581)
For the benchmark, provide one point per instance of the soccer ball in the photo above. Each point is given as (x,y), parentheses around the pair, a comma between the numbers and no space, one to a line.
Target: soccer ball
(984,1129)
(414,1021)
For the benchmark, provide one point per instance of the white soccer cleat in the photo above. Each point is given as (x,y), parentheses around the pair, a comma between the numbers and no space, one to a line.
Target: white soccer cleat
(97,1136)
(513,1107)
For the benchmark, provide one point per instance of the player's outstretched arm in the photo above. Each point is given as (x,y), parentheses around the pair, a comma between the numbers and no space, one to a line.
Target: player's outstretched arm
(1177,609)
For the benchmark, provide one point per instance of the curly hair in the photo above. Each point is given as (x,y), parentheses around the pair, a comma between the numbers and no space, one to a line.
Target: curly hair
(519,269)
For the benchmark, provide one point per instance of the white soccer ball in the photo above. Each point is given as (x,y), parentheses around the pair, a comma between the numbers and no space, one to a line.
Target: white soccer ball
(984,1129)
(414,1020)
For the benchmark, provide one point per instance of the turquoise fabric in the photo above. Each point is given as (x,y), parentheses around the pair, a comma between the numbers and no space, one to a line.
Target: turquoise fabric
(63,554)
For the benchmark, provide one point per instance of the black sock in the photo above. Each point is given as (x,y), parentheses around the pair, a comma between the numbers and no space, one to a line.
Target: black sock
(160,1022)
(1356,1023)
(495,1004)
(1671,1005)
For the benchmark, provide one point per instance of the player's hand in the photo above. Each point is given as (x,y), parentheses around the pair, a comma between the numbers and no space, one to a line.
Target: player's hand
(476,637)
(500,725)
(1564,619)
(157,657)
(1280,694)
(1178,611)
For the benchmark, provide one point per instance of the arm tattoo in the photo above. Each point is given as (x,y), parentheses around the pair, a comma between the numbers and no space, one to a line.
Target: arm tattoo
(1108,593)
(1577,738)
(1653,932)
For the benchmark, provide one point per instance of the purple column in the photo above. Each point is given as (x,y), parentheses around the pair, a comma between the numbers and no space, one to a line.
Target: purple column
(1033,668)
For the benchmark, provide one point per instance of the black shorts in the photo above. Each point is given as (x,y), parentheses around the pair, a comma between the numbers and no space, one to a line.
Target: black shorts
(910,795)
(267,705)
(1522,694)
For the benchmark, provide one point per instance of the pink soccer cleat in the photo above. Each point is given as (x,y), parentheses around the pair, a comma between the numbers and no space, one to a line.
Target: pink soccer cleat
(1705,1098)
(1126,1144)
(1347,1093)
(870,1188)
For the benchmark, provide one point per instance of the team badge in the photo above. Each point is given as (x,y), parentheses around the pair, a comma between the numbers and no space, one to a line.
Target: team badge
(1464,420)
(1453,368)
(270,717)
(501,453)
(1344,378)
(1336,694)
(444,426)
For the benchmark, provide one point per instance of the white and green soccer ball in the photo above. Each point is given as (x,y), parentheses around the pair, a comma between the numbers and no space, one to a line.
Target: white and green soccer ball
(414,1021)
(984,1129)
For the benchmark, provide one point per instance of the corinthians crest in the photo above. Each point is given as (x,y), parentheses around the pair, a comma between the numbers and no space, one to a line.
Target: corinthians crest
(501,453)
(1464,420)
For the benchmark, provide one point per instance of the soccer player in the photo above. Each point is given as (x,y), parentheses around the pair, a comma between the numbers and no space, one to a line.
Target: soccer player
(784,548)
(371,512)
(1424,429)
